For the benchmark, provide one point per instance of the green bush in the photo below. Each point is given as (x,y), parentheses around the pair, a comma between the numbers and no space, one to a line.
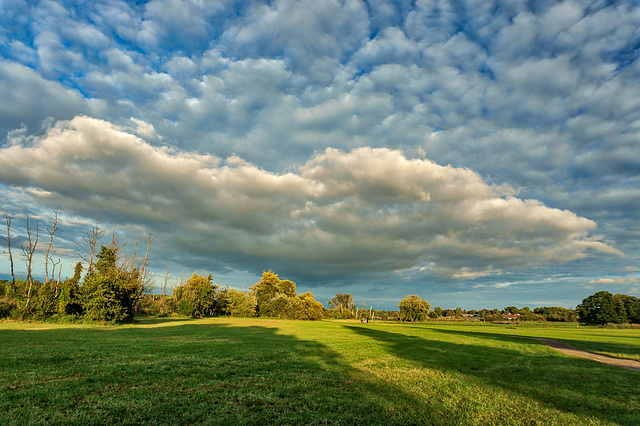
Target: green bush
(196,297)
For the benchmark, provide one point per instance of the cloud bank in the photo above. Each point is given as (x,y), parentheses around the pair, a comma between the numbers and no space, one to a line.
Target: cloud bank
(365,210)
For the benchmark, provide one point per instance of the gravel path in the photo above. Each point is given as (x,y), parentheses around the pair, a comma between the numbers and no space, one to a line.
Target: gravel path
(568,349)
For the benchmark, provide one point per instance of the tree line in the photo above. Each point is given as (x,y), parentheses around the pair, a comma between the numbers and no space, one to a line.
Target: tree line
(598,309)
(115,287)
(413,308)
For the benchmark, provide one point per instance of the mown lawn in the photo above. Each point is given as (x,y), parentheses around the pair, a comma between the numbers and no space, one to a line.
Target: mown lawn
(261,371)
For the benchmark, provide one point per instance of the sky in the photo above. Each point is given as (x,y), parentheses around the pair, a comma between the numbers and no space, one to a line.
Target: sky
(476,153)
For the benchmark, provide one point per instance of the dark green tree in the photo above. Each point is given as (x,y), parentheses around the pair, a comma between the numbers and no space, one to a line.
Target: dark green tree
(631,307)
(601,308)
(109,292)
(69,297)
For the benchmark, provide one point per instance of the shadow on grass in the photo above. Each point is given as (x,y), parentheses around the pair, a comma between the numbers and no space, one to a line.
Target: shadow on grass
(208,373)
(628,350)
(571,385)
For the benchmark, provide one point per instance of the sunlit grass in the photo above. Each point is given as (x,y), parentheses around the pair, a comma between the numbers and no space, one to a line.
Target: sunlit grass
(261,371)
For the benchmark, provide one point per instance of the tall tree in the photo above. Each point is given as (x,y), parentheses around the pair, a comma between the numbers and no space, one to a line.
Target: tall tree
(8,240)
(27,252)
(87,245)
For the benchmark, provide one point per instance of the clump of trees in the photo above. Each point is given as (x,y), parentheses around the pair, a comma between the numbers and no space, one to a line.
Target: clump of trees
(114,288)
(278,298)
(342,307)
(109,291)
(606,308)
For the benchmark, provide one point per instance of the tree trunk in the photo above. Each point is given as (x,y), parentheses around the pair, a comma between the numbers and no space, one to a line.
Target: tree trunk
(51,231)
(28,256)
(13,277)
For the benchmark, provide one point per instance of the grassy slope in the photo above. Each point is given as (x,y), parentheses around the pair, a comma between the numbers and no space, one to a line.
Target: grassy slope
(258,371)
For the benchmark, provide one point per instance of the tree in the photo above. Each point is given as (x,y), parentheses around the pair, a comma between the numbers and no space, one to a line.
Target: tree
(8,239)
(601,308)
(196,297)
(27,253)
(343,303)
(631,307)
(556,313)
(413,308)
(281,306)
(311,308)
(510,310)
(236,303)
(68,301)
(269,287)
(109,292)
(88,244)
(51,231)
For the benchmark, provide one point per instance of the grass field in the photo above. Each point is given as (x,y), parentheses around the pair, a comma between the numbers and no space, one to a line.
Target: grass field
(261,371)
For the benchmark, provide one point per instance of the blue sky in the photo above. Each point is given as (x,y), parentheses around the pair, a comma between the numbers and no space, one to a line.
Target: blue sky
(476,153)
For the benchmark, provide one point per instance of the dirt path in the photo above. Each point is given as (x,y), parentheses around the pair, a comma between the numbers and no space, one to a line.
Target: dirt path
(568,349)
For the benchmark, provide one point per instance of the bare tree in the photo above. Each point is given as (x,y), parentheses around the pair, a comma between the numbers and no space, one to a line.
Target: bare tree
(143,272)
(8,240)
(117,245)
(51,231)
(87,245)
(164,289)
(53,270)
(27,253)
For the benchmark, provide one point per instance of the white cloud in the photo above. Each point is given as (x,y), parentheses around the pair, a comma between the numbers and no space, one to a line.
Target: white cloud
(364,210)
(614,281)
(144,129)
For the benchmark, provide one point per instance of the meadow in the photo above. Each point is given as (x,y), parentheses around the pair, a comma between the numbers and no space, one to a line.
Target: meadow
(265,371)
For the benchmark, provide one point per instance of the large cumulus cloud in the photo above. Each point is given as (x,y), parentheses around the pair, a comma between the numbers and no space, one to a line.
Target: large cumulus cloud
(368,209)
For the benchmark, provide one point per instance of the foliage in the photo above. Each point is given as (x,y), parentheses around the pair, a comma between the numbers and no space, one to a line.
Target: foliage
(281,306)
(603,307)
(556,313)
(110,292)
(277,298)
(343,305)
(414,308)
(236,303)
(311,308)
(7,307)
(196,297)
(269,287)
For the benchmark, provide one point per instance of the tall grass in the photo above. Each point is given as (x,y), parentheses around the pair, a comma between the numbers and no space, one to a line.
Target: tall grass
(258,371)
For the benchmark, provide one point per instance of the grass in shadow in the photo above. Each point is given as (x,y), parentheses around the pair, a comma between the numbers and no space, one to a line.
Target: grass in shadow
(518,369)
(201,371)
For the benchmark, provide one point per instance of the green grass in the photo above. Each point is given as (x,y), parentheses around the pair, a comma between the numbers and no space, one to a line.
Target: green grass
(260,371)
